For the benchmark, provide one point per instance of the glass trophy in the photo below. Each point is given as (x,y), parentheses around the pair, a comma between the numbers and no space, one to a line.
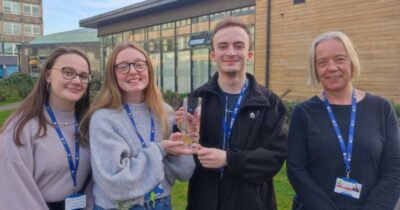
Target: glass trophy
(190,127)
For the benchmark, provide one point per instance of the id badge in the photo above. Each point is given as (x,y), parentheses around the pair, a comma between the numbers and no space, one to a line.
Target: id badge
(156,191)
(75,201)
(348,187)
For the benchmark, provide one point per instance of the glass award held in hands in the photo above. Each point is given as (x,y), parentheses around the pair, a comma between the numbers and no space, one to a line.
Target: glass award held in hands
(190,127)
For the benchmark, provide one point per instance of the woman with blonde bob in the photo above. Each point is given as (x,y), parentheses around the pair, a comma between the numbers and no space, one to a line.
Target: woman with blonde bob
(43,160)
(344,144)
(133,167)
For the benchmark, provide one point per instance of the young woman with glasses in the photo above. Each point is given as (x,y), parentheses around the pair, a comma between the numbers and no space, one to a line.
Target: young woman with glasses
(44,163)
(133,166)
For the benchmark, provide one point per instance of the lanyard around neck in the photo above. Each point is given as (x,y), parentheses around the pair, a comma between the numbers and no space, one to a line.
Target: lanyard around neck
(228,127)
(73,168)
(346,153)
(152,132)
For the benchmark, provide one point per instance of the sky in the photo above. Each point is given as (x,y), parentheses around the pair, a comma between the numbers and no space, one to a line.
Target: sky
(62,15)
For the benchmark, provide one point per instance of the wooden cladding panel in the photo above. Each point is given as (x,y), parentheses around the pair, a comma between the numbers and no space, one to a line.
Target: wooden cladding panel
(260,40)
(374,27)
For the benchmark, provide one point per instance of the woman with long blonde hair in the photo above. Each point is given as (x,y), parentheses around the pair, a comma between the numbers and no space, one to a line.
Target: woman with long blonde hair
(133,167)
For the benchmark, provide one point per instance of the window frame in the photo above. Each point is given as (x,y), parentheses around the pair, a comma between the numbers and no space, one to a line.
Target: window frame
(13,26)
(31,9)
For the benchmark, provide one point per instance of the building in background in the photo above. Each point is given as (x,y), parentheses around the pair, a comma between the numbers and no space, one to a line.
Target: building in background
(21,21)
(176,34)
(36,52)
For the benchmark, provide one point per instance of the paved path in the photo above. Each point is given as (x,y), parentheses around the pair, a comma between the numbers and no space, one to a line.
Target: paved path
(9,106)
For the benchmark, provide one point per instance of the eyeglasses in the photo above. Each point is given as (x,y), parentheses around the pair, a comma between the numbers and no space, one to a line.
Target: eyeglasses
(70,73)
(124,67)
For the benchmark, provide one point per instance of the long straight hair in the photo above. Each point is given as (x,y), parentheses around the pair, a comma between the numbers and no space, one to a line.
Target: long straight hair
(110,94)
(32,105)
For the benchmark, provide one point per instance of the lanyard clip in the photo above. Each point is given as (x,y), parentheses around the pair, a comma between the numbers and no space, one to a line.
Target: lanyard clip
(348,173)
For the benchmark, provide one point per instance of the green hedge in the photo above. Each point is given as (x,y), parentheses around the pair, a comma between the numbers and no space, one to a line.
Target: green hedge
(16,87)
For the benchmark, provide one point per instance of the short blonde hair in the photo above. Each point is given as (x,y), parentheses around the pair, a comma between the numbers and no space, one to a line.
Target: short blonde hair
(348,45)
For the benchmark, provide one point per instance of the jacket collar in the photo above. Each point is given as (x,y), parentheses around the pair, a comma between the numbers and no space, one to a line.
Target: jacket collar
(256,96)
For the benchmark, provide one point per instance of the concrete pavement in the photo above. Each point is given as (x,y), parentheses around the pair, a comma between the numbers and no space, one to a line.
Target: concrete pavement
(9,106)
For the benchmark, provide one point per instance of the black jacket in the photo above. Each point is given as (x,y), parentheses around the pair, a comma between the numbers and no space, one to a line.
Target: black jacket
(257,151)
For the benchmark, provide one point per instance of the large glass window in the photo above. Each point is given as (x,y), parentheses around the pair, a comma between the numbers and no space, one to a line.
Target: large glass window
(117,39)
(31,9)
(106,50)
(168,56)
(140,37)
(154,32)
(216,17)
(154,39)
(179,50)
(200,24)
(128,36)
(10,48)
(156,61)
(168,71)
(182,42)
(182,26)
(31,30)
(200,66)
(12,7)
(183,71)
(11,28)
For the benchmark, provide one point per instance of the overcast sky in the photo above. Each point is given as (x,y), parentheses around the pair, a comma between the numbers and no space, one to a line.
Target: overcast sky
(61,15)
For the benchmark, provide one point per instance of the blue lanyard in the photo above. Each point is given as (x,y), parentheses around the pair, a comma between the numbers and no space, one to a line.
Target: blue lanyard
(73,169)
(346,153)
(228,128)
(152,133)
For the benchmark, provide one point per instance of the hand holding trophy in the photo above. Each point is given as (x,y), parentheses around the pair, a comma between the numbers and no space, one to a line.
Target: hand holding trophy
(188,121)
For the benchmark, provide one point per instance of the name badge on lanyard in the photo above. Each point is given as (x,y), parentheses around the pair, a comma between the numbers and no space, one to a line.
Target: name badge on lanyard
(76,200)
(345,185)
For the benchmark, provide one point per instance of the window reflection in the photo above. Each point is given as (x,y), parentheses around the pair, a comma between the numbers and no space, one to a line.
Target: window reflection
(179,66)
(156,61)
(200,66)
(168,71)
(183,71)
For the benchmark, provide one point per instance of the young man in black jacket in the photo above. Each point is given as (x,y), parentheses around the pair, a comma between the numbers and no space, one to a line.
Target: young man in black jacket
(241,136)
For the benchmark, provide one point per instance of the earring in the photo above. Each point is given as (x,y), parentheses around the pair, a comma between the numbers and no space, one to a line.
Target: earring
(48,87)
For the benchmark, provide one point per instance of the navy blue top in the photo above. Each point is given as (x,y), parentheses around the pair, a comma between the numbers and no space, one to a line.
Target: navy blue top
(315,159)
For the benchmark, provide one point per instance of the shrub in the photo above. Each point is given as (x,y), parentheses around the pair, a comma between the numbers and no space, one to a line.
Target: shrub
(397,111)
(4,89)
(22,82)
(95,86)
(289,105)
(173,99)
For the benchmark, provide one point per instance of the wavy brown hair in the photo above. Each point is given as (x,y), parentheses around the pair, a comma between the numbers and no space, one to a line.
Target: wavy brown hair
(110,94)
(32,105)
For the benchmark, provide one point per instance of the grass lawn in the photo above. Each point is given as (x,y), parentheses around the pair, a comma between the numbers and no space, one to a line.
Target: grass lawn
(284,191)
(4,115)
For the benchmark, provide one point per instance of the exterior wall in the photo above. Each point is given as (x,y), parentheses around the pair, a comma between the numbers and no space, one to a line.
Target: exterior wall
(13,40)
(374,27)
(21,19)
(260,41)
(32,56)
